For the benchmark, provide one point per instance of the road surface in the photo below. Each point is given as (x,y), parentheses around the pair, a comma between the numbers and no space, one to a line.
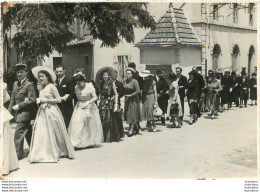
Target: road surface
(222,148)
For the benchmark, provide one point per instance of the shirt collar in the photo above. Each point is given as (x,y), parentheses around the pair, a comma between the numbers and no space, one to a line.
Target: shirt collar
(23,80)
(60,80)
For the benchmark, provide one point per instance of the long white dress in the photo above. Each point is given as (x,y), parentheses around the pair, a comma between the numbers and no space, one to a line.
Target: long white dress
(9,160)
(85,127)
(174,98)
(50,140)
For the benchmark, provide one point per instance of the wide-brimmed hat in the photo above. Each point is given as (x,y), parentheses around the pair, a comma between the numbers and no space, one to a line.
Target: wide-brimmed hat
(20,66)
(99,74)
(226,71)
(145,73)
(37,69)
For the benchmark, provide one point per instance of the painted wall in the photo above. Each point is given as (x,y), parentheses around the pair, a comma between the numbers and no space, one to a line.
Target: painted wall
(75,58)
(48,61)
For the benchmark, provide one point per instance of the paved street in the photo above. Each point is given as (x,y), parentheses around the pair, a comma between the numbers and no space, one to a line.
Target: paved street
(225,147)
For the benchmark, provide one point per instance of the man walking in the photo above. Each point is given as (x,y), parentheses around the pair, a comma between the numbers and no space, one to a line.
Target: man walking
(201,84)
(162,87)
(66,90)
(227,85)
(182,82)
(22,106)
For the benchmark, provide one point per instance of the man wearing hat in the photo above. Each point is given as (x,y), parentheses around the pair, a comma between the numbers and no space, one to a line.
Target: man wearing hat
(253,88)
(22,106)
(243,84)
(235,92)
(227,88)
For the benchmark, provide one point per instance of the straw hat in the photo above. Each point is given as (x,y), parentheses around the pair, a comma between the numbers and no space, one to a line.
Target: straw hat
(145,73)
(37,69)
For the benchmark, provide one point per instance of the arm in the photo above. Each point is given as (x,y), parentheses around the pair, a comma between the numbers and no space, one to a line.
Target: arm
(10,108)
(137,89)
(56,95)
(94,97)
(155,92)
(116,94)
(31,97)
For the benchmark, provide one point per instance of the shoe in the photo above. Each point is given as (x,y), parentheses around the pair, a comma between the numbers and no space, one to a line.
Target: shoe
(154,129)
(245,105)
(173,126)
(191,122)
(213,117)
(240,106)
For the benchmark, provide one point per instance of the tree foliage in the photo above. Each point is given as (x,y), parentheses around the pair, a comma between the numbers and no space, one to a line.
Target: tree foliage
(43,28)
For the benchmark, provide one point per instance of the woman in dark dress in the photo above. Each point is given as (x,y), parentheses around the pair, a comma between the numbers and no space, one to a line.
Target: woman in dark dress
(192,95)
(132,102)
(253,88)
(107,107)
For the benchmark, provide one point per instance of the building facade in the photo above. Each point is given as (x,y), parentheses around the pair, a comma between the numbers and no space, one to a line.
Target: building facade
(228,33)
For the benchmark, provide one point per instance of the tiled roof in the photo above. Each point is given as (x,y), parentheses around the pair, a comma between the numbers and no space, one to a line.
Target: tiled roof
(172,29)
(86,39)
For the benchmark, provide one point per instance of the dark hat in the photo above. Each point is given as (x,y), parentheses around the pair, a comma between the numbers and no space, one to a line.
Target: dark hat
(243,73)
(210,72)
(20,66)
(192,72)
(132,65)
(233,73)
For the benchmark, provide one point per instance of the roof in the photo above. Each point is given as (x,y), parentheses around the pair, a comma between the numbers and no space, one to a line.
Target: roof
(88,39)
(172,29)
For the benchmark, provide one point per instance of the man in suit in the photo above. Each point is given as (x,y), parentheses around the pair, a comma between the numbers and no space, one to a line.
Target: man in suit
(119,88)
(227,85)
(243,84)
(66,90)
(22,106)
(162,87)
(201,84)
(182,82)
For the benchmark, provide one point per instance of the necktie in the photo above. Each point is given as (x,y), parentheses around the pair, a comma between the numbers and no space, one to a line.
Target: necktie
(19,83)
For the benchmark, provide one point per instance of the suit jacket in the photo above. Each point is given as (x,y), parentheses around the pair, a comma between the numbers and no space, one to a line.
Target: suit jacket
(243,84)
(27,110)
(227,83)
(182,82)
(66,87)
(161,86)
(119,88)
(200,80)
(193,89)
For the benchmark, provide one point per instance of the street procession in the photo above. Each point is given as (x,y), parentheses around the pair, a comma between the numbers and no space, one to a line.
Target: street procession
(76,100)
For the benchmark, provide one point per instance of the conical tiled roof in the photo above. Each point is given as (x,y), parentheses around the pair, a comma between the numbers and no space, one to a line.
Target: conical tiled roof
(172,29)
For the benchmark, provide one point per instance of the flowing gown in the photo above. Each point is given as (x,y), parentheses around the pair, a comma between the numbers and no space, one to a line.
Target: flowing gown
(85,127)
(50,140)
(9,160)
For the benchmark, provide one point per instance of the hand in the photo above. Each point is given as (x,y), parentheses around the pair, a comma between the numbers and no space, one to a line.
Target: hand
(43,100)
(230,90)
(85,105)
(65,97)
(16,107)
(26,100)
(115,108)
(38,100)
(156,103)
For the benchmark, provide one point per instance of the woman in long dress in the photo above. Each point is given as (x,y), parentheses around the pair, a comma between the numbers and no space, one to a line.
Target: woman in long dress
(132,102)
(174,109)
(85,129)
(9,160)
(253,89)
(149,99)
(108,107)
(50,140)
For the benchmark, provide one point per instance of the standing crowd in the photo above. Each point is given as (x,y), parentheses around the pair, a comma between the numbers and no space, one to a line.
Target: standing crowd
(58,116)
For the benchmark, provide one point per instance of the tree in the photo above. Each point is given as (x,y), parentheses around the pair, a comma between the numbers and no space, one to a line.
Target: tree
(43,28)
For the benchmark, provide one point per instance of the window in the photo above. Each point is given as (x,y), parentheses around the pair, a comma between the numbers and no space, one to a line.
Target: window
(56,62)
(251,14)
(122,64)
(215,12)
(235,13)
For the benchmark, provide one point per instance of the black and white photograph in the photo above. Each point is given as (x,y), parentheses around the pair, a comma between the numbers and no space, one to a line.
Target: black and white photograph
(129,90)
